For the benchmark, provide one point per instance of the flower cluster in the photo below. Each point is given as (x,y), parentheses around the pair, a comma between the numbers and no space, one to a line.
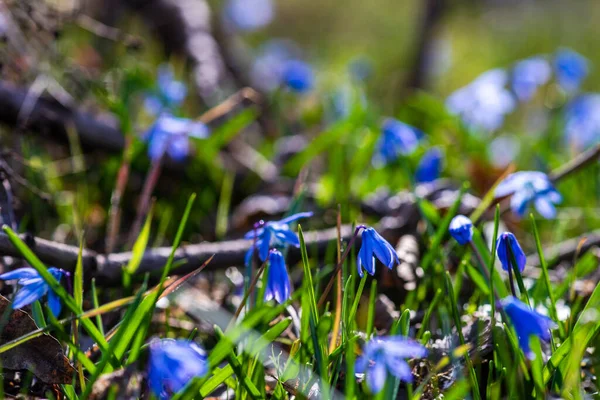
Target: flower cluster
(484,103)
(267,238)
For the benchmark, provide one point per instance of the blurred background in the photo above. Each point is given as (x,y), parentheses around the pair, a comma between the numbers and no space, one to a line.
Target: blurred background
(77,75)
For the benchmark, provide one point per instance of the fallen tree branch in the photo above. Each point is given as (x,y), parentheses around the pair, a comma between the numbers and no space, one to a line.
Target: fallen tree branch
(107,268)
(565,251)
(48,116)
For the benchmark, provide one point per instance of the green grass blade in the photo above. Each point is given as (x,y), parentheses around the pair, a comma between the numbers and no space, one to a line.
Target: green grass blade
(35,262)
(458,324)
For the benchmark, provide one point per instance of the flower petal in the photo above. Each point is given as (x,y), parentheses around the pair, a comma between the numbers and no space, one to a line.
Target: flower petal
(545,207)
(30,293)
(295,217)
(265,244)
(377,374)
(20,273)
(54,303)
(399,368)
(288,237)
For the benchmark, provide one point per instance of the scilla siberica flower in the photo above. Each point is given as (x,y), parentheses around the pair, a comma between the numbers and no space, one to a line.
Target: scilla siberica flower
(397,138)
(430,166)
(484,102)
(170,92)
(461,229)
(278,280)
(278,64)
(33,287)
(528,75)
(506,245)
(374,245)
(529,187)
(171,135)
(582,121)
(172,364)
(527,322)
(570,69)
(273,234)
(298,76)
(248,15)
(388,354)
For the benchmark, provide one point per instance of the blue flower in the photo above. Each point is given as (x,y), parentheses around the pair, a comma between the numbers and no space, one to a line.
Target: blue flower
(360,68)
(298,76)
(278,280)
(527,322)
(582,121)
(277,64)
(430,166)
(570,69)
(508,242)
(248,15)
(484,102)
(170,134)
(461,229)
(347,99)
(273,234)
(169,95)
(529,187)
(172,364)
(374,245)
(528,75)
(33,287)
(388,354)
(503,150)
(397,138)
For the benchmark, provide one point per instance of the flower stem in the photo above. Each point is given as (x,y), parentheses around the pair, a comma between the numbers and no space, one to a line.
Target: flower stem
(144,202)
(512,283)
(115,200)
(246,295)
(339,266)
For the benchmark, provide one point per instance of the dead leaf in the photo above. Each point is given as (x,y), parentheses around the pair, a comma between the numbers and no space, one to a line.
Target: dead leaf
(43,355)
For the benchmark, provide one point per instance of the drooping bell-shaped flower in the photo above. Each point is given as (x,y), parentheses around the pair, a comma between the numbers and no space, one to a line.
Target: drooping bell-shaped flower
(527,322)
(172,364)
(374,245)
(278,280)
(461,229)
(506,245)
